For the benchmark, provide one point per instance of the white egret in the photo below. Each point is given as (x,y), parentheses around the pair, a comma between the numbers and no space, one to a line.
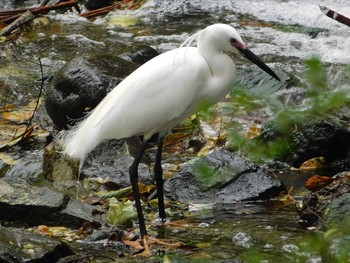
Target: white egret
(158,95)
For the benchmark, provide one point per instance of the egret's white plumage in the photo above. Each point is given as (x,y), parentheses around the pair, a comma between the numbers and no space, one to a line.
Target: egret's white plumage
(160,93)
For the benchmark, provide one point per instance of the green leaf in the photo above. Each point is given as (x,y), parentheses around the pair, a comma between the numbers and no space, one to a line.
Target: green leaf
(120,213)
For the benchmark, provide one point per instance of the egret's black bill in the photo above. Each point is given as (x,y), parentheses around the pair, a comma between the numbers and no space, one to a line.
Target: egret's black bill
(257,61)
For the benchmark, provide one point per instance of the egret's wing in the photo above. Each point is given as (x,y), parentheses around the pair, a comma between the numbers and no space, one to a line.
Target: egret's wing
(152,97)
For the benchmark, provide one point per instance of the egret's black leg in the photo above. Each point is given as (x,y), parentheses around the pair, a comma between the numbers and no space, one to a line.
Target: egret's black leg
(135,188)
(158,174)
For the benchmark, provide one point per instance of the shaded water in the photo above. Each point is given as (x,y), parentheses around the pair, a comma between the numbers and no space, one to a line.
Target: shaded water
(249,232)
(246,232)
(284,33)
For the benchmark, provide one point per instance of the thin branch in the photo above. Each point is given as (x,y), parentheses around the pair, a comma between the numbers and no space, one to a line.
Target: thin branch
(334,15)
(24,18)
(8,16)
(38,99)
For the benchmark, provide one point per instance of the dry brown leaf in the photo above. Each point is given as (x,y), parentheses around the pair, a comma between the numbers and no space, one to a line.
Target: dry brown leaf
(253,132)
(7,159)
(313,164)
(17,116)
(317,182)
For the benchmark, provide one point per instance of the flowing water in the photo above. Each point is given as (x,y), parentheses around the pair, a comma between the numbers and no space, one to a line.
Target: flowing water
(285,33)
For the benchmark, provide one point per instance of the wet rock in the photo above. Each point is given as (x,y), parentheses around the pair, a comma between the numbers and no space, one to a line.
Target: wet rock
(335,245)
(112,160)
(39,205)
(314,139)
(26,169)
(81,84)
(329,210)
(96,4)
(58,168)
(140,54)
(19,245)
(328,207)
(221,177)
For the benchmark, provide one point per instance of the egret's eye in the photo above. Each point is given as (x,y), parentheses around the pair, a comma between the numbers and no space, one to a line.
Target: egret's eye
(233,40)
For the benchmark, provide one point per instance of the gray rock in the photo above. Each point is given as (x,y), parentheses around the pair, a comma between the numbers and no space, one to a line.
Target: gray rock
(112,159)
(28,168)
(339,211)
(140,54)
(19,245)
(58,168)
(39,205)
(329,209)
(221,177)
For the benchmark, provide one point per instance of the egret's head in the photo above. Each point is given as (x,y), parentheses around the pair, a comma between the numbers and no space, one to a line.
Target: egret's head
(225,38)
(222,38)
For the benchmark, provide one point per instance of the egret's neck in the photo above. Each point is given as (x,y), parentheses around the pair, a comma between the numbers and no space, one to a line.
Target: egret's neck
(218,62)
(221,66)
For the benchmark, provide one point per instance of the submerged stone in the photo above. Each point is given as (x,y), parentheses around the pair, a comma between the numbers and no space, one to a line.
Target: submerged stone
(19,245)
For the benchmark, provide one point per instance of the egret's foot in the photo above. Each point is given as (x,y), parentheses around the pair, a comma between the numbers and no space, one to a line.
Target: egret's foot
(156,241)
(149,241)
(161,221)
(146,251)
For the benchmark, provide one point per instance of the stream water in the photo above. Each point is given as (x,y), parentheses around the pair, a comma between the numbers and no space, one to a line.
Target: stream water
(284,33)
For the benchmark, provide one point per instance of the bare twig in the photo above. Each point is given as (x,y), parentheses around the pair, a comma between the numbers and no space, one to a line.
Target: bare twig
(38,99)
(101,11)
(24,18)
(11,15)
(336,16)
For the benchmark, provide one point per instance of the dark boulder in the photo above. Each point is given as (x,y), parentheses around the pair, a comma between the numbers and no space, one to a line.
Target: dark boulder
(96,4)
(81,84)
(140,54)
(318,138)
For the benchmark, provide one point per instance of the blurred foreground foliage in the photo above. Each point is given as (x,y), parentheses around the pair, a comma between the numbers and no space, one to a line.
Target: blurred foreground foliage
(324,93)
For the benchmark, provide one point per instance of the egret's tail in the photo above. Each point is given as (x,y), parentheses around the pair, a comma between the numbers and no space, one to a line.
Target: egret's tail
(79,141)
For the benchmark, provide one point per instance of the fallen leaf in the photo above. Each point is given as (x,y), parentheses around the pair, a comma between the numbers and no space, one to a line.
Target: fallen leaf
(85,229)
(8,107)
(17,116)
(7,159)
(45,230)
(120,213)
(110,186)
(122,20)
(58,232)
(317,182)
(313,164)
(253,132)
(284,199)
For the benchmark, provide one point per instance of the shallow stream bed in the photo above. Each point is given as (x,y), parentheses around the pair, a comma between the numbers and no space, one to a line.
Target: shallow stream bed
(283,33)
